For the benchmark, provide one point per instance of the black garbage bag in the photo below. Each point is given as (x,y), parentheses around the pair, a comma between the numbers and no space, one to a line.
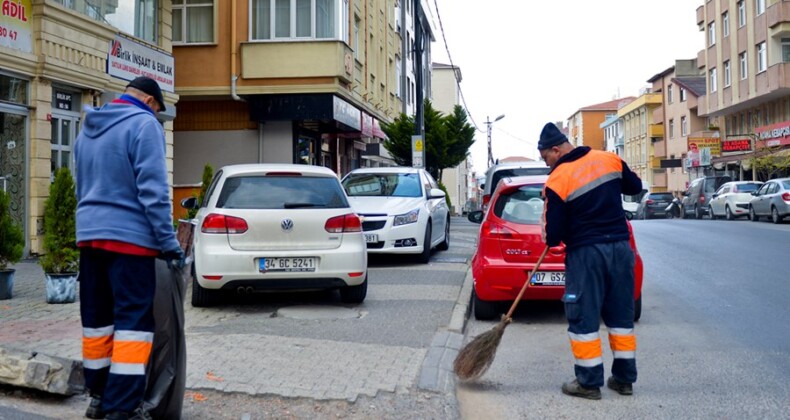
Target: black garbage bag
(164,395)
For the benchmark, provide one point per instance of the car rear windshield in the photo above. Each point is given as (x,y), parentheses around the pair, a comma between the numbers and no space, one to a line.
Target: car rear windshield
(662,196)
(745,187)
(523,206)
(509,173)
(383,185)
(281,192)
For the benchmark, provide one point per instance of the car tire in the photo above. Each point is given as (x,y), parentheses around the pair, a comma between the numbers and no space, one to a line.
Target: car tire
(425,256)
(354,294)
(638,308)
(202,297)
(775,217)
(697,212)
(752,215)
(728,213)
(683,214)
(445,245)
(485,310)
(711,214)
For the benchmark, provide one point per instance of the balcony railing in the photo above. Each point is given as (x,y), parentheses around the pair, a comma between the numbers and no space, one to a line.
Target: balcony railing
(660,179)
(656,131)
(267,60)
(660,149)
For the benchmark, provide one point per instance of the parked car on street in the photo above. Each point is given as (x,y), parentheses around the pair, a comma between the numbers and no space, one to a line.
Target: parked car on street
(403,210)
(509,246)
(274,227)
(772,200)
(502,170)
(696,199)
(654,204)
(731,200)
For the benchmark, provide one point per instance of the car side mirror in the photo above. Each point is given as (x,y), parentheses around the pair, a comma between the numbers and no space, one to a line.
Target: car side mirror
(436,193)
(754,193)
(715,195)
(190,203)
(475,216)
(685,193)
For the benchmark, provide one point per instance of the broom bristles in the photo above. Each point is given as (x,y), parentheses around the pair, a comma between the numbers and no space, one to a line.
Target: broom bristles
(475,358)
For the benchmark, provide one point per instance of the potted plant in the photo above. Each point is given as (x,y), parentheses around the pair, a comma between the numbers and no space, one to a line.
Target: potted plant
(12,244)
(61,256)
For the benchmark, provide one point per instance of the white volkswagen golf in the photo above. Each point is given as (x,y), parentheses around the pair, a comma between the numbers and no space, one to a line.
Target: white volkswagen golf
(403,210)
(272,226)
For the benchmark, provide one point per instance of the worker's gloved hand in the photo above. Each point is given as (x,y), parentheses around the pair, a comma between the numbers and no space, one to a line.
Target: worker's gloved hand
(174,258)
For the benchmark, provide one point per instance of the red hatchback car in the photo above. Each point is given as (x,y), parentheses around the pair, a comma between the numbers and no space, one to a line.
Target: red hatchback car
(509,247)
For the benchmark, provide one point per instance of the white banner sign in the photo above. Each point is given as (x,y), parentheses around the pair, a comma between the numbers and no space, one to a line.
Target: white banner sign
(128,59)
(16,25)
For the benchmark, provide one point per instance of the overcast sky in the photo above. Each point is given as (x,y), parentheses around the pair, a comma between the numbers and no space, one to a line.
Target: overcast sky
(537,61)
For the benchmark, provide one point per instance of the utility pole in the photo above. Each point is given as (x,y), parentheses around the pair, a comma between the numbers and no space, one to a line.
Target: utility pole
(419,121)
(488,130)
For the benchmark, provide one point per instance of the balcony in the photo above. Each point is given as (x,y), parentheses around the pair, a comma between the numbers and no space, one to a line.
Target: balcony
(656,131)
(619,141)
(309,59)
(660,179)
(701,15)
(660,149)
(777,14)
(655,162)
(778,77)
(658,115)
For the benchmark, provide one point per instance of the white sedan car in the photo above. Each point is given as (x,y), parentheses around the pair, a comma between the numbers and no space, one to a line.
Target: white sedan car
(274,227)
(731,200)
(403,210)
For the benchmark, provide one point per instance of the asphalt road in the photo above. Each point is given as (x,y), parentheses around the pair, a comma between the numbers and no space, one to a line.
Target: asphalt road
(713,339)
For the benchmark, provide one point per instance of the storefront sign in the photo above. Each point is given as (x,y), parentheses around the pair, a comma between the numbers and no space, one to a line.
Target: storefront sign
(736,145)
(15,25)
(367,125)
(773,135)
(127,59)
(347,114)
(377,131)
(697,144)
(63,100)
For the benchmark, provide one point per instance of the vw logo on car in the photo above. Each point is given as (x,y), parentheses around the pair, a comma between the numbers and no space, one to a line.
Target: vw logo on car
(287,225)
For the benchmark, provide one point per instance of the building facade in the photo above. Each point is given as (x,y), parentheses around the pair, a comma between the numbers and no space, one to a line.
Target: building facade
(746,62)
(638,132)
(55,58)
(584,126)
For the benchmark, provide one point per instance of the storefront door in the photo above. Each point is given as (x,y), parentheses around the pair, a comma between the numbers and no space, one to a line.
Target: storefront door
(65,128)
(13,143)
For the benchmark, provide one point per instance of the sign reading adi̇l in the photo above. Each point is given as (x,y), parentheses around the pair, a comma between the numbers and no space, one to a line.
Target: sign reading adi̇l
(15,25)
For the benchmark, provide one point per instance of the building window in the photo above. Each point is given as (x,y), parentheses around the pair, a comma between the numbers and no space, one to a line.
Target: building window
(713,86)
(741,13)
(669,94)
(344,22)
(684,129)
(759,7)
(725,24)
(682,95)
(762,58)
(116,14)
(397,76)
(193,21)
(712,34)
(727,74)
(357,52)
(672,129)
(743,65)
(289,19)
(786,50)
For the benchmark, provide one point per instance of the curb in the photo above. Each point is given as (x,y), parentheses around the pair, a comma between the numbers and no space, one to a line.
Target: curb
(463,306)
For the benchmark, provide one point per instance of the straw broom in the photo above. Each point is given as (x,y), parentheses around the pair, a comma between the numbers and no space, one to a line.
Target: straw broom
(476,357)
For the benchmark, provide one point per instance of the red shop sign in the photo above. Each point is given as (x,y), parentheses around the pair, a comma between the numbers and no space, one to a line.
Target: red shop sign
(742,145)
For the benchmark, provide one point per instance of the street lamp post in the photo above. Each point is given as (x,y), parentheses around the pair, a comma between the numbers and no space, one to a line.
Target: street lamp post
(488,123)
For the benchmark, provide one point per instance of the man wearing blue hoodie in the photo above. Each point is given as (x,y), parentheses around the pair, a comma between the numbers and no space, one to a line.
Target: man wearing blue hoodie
(124,222)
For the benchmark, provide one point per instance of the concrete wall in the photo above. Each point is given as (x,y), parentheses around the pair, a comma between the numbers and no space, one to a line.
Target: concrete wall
(277,142)
(194,149)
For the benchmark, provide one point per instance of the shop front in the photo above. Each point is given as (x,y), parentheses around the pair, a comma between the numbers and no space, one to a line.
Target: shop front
(14,128)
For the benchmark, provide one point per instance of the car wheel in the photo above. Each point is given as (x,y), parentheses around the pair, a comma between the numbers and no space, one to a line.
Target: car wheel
(683,213)
(711,214)
(697,212)
(638,308)
(425,256)
(202,297)
(485,310)
(445,245)
(728,213)
(775,217)
(354,294)
(752,215)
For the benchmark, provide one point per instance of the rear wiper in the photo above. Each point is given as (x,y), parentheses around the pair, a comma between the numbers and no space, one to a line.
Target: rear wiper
(301,205)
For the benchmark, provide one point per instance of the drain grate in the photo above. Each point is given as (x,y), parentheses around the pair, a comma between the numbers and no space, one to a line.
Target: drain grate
(453,260)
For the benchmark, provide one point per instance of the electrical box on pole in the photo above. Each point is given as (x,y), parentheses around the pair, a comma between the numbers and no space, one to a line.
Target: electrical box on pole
(417,152)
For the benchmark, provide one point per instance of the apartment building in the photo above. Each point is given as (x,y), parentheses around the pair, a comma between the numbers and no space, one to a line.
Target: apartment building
(746,62)
(680,87)
(638,132)
(57,56)
(612,128)
(584,125)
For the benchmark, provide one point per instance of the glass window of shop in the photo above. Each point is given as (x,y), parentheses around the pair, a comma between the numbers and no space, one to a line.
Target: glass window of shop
(65,127)
(14,96)
(134,17)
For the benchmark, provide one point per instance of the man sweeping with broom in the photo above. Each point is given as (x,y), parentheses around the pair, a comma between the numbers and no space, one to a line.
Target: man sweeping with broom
(584,210)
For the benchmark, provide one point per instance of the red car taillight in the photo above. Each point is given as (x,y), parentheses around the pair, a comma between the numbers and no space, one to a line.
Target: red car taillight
(220,223)
(345,223)
(649,202)
(786,196)
(493,230)
(702,199)
(486,200)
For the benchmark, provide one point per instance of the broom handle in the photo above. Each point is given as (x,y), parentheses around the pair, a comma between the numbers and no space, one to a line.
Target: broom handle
(526,284)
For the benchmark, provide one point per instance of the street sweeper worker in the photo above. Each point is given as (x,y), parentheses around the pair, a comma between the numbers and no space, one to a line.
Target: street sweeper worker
(583,210)
(124,223)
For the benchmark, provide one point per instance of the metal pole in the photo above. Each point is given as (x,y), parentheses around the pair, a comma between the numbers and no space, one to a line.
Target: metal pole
(419,121)
(490,154)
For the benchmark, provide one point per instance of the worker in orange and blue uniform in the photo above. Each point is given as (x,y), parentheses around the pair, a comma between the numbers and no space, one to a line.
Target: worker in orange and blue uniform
(584,211)
(124,222)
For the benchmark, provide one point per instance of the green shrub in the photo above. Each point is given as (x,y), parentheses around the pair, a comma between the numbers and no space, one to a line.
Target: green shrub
(447,196)
(60,227)
(12,238)
(208,175)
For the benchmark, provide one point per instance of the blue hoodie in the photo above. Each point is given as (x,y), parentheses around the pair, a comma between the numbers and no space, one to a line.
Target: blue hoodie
(122,188)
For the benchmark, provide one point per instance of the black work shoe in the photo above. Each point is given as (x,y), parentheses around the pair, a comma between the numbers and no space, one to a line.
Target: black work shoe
(94,410)
(621,388)
(138,414)
(574,389)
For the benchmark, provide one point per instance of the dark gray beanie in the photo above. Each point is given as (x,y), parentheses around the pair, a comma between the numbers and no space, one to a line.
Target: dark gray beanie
(550,136)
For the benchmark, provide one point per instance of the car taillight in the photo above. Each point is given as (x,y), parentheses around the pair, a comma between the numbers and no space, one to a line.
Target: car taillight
(493,230)
(702,199)
(345,223)
(649,202)
(786,196)
(220,223)
(486,200)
